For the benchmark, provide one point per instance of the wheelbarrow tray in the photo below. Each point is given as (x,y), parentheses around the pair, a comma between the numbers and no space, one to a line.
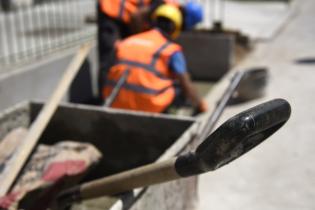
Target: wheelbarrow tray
(126,139)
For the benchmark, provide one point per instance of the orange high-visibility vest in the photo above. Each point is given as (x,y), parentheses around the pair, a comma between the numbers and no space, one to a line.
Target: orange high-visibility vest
(149,86)
(122,9)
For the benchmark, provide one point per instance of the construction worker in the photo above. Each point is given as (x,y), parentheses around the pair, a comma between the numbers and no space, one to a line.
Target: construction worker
(118,19)
(154,62)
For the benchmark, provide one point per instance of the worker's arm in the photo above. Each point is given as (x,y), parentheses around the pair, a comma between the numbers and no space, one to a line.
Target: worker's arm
(190,92)
(179,68)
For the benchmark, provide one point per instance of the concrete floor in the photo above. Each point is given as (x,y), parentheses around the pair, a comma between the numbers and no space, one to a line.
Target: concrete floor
(280,173)
(258,19)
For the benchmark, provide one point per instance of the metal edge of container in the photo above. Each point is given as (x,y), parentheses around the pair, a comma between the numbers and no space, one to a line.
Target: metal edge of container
(122,111)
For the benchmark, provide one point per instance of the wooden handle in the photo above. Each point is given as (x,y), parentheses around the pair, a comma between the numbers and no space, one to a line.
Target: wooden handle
(17,161)
(139,177)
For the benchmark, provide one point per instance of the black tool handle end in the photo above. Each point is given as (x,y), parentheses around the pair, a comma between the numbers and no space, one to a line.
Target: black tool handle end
(235,137)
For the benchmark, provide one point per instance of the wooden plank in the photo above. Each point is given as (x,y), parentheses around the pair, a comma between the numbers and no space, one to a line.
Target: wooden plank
(16,163)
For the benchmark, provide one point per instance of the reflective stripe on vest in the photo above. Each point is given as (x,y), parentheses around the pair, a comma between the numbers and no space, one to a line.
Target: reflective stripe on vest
(121,9)
(137,88)
(151,66)
(147,67)
(157,55)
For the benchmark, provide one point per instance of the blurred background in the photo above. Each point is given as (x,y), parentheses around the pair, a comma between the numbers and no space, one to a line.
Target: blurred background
(38,39)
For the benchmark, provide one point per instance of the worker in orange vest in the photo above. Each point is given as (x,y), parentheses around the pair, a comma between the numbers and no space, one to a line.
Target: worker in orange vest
(118,19)
(154,62)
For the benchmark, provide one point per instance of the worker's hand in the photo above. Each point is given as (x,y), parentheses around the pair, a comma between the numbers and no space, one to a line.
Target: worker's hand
(203,106)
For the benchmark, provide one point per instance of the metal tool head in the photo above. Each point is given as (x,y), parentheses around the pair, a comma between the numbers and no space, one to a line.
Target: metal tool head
(241,133)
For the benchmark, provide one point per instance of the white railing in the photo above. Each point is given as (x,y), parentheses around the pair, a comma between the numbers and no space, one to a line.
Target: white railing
(36,28)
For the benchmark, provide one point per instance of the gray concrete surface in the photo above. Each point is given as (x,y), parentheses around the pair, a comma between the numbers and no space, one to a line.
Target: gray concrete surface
(280,173)
(265,17)
(37,81)
(258,19)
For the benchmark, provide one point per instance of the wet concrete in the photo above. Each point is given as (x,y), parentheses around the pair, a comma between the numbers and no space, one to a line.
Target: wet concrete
(279,174)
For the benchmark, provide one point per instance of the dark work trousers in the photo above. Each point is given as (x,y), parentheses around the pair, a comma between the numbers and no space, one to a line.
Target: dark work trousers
(178,101)
(80,90)
(109,31)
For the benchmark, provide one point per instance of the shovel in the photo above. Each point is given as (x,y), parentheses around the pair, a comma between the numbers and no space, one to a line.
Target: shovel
(231,140)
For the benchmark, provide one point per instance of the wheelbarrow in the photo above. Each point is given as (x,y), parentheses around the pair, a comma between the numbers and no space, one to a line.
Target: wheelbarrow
(135,148)
(231,140)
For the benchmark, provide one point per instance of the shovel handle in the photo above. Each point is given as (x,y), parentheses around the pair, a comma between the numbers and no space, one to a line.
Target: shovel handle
(140,177)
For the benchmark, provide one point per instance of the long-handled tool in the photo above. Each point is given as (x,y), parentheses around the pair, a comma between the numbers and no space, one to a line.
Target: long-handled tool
(231,140)
(16,163)
(111,98)
(220,106)
(240,81)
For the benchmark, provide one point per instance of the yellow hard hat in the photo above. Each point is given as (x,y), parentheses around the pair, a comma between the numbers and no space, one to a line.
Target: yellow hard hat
(171,12)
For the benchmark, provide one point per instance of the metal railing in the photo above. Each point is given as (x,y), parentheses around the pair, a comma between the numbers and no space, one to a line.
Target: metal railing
(39,27)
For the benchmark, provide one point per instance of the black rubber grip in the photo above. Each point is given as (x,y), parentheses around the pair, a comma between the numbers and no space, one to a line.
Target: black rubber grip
(235,137)
(188,165)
